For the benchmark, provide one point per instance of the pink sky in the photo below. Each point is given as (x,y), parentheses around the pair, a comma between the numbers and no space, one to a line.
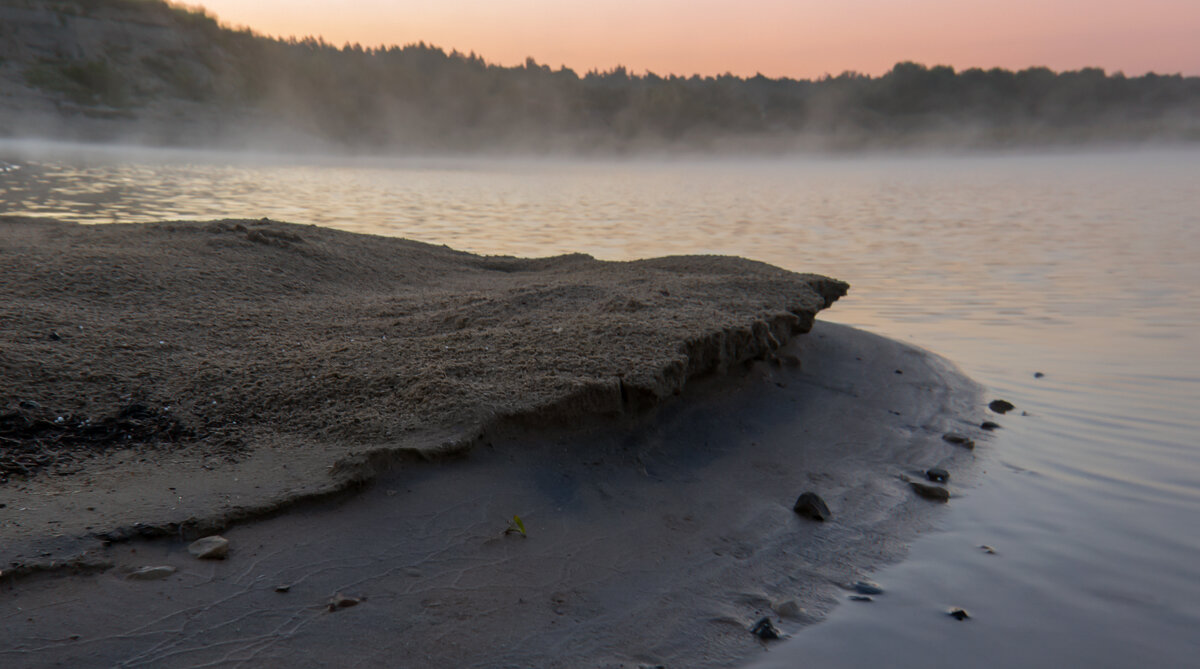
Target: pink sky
(794,38)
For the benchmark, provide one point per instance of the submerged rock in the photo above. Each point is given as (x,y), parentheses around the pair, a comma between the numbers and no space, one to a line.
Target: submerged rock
(151,573)
(766,630)
(215,547)
(958,439)
(1001,406)
(937,474)
(931,492)
(810,505)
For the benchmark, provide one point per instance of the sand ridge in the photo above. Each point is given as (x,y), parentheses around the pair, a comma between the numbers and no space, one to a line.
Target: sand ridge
(290,355)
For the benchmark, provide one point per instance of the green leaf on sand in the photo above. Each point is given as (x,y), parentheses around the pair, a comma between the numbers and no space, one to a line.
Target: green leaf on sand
(516,525)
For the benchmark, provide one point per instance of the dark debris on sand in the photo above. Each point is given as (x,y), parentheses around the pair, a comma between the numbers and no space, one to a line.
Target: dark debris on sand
(34,439)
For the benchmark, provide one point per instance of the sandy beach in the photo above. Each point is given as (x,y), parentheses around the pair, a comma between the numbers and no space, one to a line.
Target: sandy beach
(361,416)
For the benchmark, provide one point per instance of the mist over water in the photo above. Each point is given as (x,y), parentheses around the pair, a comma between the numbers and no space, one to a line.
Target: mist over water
(1084,266)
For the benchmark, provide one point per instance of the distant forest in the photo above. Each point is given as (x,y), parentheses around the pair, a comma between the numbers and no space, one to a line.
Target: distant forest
(421,97)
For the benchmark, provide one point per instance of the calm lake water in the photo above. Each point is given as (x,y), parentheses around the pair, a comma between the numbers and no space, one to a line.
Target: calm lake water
(1082,266)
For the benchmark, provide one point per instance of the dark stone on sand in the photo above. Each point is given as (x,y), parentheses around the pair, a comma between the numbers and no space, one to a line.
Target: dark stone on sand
(283,588)
(989,425)
(958,614)
(1038,375)
(931,492)
(766,630)
(54,336)
(958,439)
(1001,406)
(861,598)
(868,588)
(340,601)
(810,505)
(937,474)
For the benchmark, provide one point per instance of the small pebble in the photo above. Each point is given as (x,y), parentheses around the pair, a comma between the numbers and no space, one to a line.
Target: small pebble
(151,573)
(789,359)
(958,439)
(1038,375)
(958,614)
(788,608)
(340,601)
(868,588)
(215,547)
(1001,406)
(861,598)
(931,492)
(987,549)
(282,588)
(766,630)
(989,425)
(810,505)
(937,474)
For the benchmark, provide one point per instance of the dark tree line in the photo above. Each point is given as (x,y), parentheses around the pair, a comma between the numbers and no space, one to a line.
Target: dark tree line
(420,96)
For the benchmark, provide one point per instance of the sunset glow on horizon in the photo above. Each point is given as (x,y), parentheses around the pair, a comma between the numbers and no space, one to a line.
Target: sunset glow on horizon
(778,38)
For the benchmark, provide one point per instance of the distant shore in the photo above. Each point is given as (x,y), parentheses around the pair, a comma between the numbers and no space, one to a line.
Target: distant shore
(159,74)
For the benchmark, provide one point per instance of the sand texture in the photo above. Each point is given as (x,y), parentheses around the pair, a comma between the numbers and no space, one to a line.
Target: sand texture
(174,376)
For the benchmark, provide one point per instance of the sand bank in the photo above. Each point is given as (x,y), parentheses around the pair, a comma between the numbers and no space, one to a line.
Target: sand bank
(170,378)
(207,373)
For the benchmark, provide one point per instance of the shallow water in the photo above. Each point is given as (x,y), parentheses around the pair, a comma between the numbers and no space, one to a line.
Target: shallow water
(1083,266)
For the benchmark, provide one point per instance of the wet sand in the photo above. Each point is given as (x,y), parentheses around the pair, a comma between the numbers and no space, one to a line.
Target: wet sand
(663,545)
(651,423)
